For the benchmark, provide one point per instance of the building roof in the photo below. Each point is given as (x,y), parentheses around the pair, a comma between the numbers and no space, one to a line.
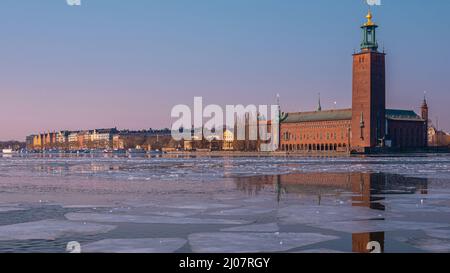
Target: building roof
(345,114)
(406,115)
(342,114)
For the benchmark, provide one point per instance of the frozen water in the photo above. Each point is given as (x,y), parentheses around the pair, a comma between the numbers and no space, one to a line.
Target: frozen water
(49,230)
(243,211)
(319,214)
(199,206)
(9,209)
(272,227)
(152,245)
(144,219)
(212,168)
(207,191)
(377,226)
(171,213)
(320,250)
(86,206)
(253,242)
(439,233)
(431,245)
(418,205)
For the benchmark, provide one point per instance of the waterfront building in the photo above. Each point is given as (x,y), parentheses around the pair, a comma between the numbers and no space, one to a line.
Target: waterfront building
(368,125)
(437,138)
(228,139)
(62,137)
(29,142)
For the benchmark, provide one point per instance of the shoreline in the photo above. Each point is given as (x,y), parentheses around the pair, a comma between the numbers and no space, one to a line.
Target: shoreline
(306,154)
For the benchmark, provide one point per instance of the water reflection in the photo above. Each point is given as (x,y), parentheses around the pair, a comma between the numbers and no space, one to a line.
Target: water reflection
(361,242)
(366,190)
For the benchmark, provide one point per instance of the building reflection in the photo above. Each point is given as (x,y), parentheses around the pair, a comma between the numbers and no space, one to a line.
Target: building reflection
(360,241)
(366,190)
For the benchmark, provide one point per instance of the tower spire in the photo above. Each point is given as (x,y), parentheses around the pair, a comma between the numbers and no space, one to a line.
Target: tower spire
(424,107)
(319,107)
(369,18)
(278,104)
(369,41)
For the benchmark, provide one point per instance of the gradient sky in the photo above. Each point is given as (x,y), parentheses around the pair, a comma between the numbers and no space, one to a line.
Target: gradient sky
(125,63)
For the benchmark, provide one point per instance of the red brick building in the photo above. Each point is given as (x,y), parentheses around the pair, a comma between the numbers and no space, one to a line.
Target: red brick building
(368,124)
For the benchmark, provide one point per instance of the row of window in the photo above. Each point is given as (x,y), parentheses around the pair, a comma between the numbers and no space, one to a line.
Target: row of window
(313,147)
(287,136)
(321,125)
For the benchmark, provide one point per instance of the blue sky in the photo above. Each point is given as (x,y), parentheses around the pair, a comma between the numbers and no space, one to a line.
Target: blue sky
(123,63)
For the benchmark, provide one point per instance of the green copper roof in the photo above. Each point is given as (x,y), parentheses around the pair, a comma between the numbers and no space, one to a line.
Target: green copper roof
(395,114)
(343,114)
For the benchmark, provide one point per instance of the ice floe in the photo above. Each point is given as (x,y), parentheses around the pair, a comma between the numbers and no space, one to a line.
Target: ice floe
(86,206)
(271,227)
(148,219)
(377,226)
(431,245)
(319,250)
(320,214)
(50,230)
(243,211)
(439,233)
(151,245)
(200,206)
(10,209)
(253,242)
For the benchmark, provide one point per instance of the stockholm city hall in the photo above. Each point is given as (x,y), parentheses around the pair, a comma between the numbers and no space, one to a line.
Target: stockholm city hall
(368,125)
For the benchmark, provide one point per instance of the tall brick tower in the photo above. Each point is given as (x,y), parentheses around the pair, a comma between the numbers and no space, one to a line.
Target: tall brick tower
(369,91)
(425,116)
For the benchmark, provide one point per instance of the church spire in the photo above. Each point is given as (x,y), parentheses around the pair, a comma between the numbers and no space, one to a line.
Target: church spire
(424,103)
(319,107)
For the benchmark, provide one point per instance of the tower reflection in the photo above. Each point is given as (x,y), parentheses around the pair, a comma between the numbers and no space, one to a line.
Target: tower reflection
(366,190)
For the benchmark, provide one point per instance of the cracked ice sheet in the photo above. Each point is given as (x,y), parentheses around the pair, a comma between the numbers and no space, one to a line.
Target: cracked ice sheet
(200,206)
(320,250)
(87,206)
(180,204)
(152,245)
(141,219)
(376,226)
(272,227)
(9,209)
(253,242)
(423,203)
(169,213)
(438,233)
(242,211)
(430,245)
(49,230)
(323,214)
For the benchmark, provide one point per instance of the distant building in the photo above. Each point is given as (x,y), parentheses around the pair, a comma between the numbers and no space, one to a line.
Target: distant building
(228,139)
(62,137)
(29,142)
(438,138)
